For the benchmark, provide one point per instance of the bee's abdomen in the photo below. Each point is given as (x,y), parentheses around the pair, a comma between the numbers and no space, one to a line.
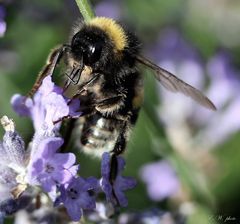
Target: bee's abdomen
(98,134)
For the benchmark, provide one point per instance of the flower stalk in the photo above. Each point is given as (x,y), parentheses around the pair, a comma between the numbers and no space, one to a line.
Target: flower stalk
(85,9)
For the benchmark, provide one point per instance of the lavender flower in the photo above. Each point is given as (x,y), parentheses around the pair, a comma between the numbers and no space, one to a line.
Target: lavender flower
(14,148)
(161,180)
(49,168)
(3,25)
(11,206)
(7,179)
(13,165)
(114,188)
(47,106)
(77,195)
(12,169)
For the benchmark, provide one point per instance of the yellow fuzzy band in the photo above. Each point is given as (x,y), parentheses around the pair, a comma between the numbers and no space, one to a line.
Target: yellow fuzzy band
(112,29)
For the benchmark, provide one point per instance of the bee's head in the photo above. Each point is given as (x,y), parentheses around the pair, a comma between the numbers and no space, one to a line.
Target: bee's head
(99,42)
(92,46)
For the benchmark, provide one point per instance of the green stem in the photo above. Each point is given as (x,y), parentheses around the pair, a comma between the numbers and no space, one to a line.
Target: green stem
(85,9)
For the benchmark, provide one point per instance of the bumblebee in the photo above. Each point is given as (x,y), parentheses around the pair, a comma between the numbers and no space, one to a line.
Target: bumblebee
(102,59)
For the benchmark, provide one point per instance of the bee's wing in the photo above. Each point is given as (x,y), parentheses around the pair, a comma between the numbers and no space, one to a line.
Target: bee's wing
(174,84)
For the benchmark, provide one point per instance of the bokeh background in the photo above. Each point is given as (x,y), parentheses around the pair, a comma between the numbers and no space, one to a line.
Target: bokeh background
(185,157)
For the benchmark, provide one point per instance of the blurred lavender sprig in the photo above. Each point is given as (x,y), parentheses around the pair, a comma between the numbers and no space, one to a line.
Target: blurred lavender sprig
(3,25)
(161,180)
(184,126)
(224,90)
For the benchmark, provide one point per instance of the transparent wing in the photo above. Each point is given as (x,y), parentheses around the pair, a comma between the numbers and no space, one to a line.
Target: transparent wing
(174,84)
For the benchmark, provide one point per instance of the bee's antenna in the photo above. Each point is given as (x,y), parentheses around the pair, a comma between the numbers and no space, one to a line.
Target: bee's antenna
(76,72)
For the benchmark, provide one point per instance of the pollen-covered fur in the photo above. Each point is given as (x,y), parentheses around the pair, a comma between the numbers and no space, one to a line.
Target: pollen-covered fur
(115,32)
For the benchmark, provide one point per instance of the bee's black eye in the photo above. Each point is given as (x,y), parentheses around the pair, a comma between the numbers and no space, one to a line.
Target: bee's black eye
(92,53)
(87,47)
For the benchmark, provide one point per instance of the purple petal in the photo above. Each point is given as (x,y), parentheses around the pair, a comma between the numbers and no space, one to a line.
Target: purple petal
(3,28)
(63,195)
(62,176)
(38,113)
(33,170)
(105,167)
(161,180)
(74,107)
(49,146)
(126,183)
(107,188)
(21,105)
(123,202)
(121,163)
(78,197)
(37,166)
(56,107)
(47,86)
(114,192)
(93,184)
(48,184)
(66,160)
(86,201)
(74,211)
(73,170)
(76,183)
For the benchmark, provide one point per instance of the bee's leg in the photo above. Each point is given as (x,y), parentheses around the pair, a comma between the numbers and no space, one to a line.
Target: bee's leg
(83,86)
(67,129)
(121,142)
(128,120)
(114,168)
(109,102)
(48,69)
(113,174)
(90,106)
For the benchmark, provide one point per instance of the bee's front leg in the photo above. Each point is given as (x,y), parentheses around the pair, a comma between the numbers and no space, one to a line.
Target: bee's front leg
(108,105)
(53,59)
